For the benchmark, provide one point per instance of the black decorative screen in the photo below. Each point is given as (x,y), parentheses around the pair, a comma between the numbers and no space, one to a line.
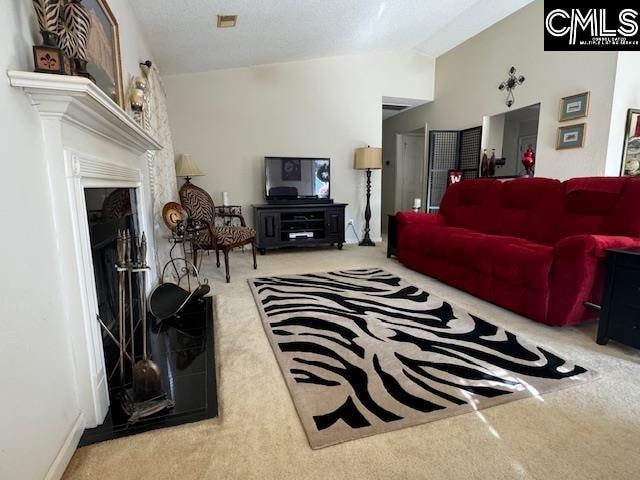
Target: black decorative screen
(443,156)
(470,143)
(451,150)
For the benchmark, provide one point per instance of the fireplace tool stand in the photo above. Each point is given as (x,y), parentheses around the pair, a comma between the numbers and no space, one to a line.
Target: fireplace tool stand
(144,395)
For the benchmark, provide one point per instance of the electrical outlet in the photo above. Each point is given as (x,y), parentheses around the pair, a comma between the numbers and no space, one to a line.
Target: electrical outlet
(350,222)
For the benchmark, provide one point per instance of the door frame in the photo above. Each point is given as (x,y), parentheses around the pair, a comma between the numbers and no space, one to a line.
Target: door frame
(397,203)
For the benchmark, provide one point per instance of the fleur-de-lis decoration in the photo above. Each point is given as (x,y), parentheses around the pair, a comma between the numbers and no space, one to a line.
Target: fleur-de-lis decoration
(510,84)
(48,61)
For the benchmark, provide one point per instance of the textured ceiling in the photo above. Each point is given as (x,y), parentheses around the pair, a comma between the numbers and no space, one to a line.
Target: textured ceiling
(183,36)
(468,23)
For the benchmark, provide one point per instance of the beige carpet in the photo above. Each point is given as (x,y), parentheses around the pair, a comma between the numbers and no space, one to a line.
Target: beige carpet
(589,432)
(364,352)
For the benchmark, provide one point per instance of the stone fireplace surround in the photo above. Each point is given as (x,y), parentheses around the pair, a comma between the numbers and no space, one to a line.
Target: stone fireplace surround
(88,141)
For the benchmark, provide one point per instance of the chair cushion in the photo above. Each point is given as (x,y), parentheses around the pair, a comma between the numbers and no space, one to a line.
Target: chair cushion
(232,235)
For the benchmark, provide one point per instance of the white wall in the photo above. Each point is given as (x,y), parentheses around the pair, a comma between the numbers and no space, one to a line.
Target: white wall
(466,89)
(38,405)
(230,119)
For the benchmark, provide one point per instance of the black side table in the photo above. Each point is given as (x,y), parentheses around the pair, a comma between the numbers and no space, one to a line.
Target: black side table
(620,318)
(392,237)
(223,210)
(190,242)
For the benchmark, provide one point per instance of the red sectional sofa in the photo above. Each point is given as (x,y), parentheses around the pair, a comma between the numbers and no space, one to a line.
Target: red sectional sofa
(531,245)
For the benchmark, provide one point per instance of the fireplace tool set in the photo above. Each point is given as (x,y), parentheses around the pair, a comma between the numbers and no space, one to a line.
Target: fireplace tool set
(146,395)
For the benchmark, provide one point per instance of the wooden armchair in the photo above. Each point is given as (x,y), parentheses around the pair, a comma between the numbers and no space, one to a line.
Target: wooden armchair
(199,205)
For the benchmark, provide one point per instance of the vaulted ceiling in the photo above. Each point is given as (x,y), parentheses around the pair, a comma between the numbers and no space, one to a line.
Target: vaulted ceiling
(184,38)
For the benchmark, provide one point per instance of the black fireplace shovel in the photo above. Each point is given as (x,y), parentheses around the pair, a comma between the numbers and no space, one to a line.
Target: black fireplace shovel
(146,374)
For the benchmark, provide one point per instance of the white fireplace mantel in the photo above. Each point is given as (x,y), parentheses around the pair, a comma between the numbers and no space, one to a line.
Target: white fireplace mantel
(79,101)
(88,142)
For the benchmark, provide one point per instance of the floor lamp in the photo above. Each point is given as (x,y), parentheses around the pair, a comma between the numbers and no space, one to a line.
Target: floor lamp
(368,159)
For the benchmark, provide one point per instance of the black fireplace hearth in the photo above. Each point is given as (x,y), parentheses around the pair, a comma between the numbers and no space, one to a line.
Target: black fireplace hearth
(183,349)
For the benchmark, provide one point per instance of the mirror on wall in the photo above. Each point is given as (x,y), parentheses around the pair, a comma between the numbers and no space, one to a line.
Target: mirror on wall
(508,135)
(631,152)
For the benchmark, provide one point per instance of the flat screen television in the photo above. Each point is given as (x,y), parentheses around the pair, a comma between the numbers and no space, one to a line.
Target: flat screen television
(295,178)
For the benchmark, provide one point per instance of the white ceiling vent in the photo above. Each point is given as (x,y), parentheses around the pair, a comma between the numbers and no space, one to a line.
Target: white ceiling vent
(227,21)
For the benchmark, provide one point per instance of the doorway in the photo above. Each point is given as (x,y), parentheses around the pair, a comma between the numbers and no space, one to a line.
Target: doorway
(410,179)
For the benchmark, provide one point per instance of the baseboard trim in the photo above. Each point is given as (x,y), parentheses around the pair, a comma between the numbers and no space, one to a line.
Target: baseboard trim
(353,241)
(57,468)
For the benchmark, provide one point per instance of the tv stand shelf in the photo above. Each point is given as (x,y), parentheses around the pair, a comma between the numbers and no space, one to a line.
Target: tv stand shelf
(290,225)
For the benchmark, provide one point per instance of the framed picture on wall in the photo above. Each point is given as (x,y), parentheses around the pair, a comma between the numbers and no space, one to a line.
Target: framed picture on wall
(631,148)
(574,106)
(103,50)
(291,170)
(571,136)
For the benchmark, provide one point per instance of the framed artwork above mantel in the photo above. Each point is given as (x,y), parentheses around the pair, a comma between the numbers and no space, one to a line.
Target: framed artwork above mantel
(103,50)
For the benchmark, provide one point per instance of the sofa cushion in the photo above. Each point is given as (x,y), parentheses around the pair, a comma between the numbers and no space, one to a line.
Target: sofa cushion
(468,204)
(587,203)
(623,219)
(524,207)
(527,208)
(513,260)
(600,206)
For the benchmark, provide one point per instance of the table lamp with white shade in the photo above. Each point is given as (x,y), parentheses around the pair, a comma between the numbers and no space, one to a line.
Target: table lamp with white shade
(368,158)
(187,168)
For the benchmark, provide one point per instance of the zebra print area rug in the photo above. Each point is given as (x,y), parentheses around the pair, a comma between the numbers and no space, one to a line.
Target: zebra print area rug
(365,352)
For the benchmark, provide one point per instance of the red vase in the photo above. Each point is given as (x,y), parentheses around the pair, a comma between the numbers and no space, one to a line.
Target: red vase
(528,159)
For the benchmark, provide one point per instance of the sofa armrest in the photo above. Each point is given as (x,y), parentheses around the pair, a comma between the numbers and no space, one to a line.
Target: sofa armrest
(594,245)
(408,218)
(577,275)
(411,230)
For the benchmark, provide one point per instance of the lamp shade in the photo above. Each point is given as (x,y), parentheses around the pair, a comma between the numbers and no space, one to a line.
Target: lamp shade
(186,167)
(368,157)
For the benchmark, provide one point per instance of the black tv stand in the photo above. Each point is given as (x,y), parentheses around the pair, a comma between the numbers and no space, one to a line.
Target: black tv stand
(299,225)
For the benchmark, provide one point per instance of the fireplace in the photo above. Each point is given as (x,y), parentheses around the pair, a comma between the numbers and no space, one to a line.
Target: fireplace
(104,196)
(91,149)
(89,142)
